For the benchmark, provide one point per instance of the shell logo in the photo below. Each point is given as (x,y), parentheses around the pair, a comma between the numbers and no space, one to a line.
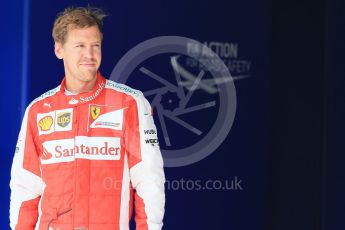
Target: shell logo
(45,123)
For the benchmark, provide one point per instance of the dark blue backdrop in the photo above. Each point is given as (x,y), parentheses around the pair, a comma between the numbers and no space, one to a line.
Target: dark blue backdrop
(14,79)
(30,61)
(333,208)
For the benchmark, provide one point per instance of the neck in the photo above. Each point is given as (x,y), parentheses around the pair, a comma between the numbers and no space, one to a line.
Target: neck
(76,86)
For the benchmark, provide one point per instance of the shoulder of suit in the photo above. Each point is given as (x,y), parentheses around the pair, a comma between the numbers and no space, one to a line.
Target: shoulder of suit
(45,95)
(122,88)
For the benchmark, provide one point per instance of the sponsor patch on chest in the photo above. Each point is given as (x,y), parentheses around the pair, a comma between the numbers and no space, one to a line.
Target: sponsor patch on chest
(55,121)
(81,147)
(105,117)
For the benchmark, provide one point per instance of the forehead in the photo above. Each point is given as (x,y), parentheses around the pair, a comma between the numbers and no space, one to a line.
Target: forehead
(87,34)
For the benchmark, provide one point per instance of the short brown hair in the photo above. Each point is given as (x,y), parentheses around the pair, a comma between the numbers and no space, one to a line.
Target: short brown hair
(80,17)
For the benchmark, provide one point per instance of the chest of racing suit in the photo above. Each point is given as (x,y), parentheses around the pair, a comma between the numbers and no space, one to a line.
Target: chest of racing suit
(82,159)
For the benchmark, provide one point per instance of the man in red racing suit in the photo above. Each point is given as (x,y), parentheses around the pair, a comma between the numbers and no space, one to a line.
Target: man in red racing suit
(82,157)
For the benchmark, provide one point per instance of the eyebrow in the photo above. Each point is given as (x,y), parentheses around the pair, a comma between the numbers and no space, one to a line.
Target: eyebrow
(98,42)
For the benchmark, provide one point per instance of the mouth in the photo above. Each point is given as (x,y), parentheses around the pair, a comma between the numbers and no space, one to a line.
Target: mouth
(88,65)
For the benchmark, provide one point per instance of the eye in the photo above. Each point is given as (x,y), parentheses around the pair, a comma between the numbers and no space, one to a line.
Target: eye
(79,46)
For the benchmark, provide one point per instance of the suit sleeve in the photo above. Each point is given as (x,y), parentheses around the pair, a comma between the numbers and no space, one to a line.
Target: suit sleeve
(145,165)
(26,183)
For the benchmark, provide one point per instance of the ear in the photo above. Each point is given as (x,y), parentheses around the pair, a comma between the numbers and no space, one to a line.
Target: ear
(58,50)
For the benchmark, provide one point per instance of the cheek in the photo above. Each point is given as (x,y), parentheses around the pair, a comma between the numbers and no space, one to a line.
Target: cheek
(72,61)
(74,57)
(98,57)
(98,54)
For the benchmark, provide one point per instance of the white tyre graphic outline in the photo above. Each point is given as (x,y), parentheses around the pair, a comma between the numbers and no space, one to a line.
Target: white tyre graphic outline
(227,95)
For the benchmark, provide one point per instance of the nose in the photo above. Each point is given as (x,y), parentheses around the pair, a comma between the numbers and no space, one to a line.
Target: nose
(89,52)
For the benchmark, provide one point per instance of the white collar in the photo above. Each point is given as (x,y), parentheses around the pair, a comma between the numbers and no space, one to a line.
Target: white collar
(69,93)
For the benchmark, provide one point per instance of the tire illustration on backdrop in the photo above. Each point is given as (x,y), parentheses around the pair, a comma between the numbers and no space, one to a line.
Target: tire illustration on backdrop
(176,99)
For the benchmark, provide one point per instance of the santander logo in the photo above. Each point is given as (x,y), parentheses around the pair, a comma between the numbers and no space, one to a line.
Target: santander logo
(60,151)
(46,155)
(81,147)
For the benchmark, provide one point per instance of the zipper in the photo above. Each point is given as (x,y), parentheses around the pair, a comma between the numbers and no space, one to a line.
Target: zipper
(75,128)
